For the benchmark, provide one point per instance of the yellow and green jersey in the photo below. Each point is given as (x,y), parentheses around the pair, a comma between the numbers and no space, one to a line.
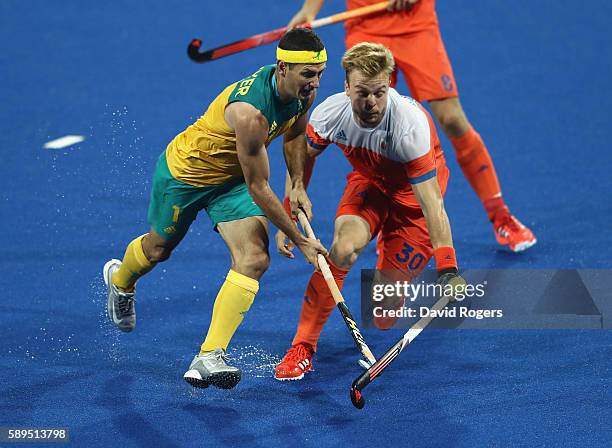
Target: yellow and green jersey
(205,153)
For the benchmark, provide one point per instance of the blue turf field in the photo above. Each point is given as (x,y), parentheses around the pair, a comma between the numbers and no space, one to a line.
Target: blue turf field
(535,80)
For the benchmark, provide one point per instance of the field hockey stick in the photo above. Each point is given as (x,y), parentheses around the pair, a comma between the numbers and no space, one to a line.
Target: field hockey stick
(337,295)
(270,36)
(379,366)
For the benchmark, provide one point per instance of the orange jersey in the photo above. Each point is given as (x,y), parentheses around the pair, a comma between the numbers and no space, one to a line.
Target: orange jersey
(420,17)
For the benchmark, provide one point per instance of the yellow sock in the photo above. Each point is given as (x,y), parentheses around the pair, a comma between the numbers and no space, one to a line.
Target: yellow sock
(134,265)
(233,301)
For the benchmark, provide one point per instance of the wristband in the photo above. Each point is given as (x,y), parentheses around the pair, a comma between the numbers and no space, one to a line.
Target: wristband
(445,258)
(287,207)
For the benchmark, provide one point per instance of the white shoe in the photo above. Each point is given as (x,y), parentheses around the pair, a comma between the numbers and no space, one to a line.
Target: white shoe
(212,368)
(120,305)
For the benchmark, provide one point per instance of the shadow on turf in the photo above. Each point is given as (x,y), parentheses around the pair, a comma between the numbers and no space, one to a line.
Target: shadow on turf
(126,421)
(225,422)
(22,401)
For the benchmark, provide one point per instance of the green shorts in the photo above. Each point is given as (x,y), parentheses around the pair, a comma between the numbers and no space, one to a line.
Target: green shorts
(174,205)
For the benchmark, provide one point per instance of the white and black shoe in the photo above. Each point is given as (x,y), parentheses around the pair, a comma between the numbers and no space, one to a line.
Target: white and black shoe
(212,368)
(120,305)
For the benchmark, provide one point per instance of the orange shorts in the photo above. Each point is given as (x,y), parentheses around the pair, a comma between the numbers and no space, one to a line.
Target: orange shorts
(422,59)
(404,242)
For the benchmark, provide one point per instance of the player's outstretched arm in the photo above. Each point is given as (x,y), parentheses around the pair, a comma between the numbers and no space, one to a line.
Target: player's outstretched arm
(430,198)
(251,129)
(309,11)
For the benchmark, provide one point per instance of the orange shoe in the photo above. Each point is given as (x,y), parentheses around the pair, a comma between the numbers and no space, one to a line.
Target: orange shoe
(510,232)
(297,362)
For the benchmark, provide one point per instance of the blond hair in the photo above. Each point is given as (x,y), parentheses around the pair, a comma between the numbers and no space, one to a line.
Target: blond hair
(369,58)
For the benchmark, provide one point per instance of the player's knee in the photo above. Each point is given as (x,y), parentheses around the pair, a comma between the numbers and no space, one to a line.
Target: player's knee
(453,122)
(343,254)
(253,264)
(157,249)
(157,254)
(451,117)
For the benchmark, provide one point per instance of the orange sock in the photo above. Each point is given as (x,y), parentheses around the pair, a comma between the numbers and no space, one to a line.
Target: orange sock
(317,306)
(478,168)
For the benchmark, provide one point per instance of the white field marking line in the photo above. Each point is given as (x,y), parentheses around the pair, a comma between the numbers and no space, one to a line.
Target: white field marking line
(63,142)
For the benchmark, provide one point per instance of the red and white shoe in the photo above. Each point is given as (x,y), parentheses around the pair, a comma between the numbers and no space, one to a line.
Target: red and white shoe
(297,362)
(510,232)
